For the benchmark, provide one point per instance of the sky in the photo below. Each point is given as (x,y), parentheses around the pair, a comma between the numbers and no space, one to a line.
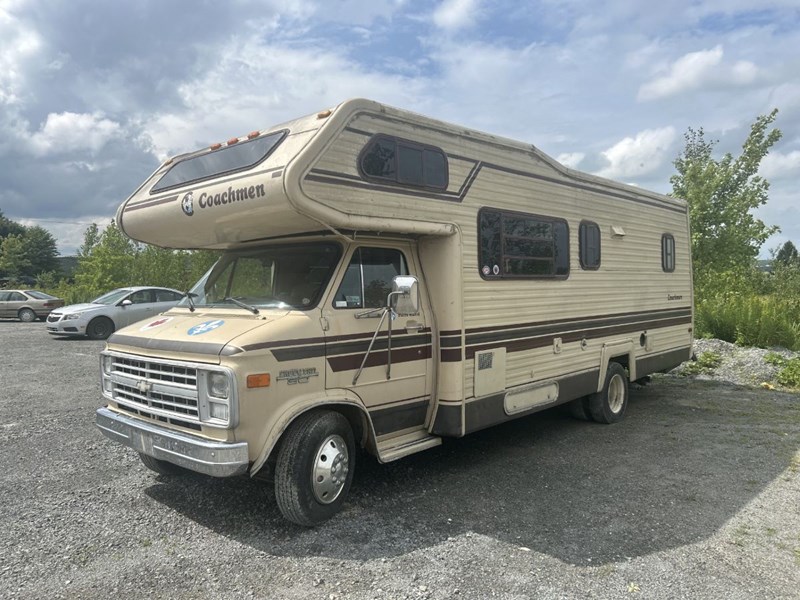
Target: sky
(95,94)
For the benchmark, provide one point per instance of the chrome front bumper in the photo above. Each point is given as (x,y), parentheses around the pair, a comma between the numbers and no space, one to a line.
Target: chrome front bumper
(218,459)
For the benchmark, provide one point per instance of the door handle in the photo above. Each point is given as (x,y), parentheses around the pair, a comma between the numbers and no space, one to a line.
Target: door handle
(414,326)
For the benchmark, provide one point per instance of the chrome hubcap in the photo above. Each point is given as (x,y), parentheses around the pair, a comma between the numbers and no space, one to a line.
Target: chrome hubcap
(330,469)
(616,393)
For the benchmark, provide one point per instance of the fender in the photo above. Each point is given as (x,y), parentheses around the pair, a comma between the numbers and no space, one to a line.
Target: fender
(304,403)
(614,349)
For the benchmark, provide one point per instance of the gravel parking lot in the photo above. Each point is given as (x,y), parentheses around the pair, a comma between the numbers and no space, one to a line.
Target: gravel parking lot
(696,494)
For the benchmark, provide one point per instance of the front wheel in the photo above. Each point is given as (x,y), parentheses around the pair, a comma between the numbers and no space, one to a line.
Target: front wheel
(609,404)
(161,467)
(26,315)
(315,466)
(100,328)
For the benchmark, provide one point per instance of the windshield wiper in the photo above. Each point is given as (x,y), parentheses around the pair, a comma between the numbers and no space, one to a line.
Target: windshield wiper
(188,296)
(252,309)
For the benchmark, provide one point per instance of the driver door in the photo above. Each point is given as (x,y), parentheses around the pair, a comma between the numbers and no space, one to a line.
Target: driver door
(397,396)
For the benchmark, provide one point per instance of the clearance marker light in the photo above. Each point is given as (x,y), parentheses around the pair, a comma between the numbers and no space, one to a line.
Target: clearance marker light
(233,141)
(258,380)
(216,146)
(253,134)
(324,114)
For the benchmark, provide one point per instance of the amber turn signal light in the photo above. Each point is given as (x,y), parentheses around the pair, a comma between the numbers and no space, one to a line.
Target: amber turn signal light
(258,380)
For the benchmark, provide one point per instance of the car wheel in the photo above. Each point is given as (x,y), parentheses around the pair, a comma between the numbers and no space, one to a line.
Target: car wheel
(26,315)
(609,404)
(161,467)
(579,409)
(315,467)
(100,328)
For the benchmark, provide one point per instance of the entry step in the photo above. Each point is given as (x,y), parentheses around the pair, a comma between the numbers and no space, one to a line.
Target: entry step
(408,443)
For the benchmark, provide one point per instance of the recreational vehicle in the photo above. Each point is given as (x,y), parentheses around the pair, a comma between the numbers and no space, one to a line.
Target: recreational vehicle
(386,281)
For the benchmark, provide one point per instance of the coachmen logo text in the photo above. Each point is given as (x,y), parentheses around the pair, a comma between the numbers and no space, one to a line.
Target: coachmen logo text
(228,197)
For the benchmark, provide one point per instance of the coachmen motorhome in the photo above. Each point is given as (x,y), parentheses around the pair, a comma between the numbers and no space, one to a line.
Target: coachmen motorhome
(387,281)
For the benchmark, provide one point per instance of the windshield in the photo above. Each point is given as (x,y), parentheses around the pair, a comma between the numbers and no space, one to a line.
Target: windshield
(111,297)
(289,276)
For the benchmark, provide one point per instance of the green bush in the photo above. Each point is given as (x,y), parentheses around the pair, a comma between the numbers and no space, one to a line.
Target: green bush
(706,363)
(750,320)
(789,375)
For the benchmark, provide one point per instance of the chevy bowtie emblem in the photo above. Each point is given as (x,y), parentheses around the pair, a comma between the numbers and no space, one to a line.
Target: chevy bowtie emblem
(144,386)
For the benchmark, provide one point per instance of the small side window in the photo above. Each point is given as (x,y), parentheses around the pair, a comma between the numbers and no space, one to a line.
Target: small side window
(668,253)
(368,279)
(387,159)
(589,245)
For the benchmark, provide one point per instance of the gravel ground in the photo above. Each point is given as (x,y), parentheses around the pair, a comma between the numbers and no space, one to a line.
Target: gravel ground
(694,495)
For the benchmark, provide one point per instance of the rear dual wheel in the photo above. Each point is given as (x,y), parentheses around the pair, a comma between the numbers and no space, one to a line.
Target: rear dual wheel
(609,404)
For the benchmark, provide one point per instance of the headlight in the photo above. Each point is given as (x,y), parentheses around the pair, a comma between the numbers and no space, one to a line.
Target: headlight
(107,361)
(72,317)
(218,386)
(217,397)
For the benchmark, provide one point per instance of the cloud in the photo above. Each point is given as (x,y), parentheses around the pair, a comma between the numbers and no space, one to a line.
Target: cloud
(696,70)
(70,132)
(777,165)
(452,15)
(634,157)
(571,159)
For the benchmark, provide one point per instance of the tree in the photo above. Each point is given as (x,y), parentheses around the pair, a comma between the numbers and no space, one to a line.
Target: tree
(9,227)
(90,239)
(726,237)
(41,250)
(787,255)
(13,257)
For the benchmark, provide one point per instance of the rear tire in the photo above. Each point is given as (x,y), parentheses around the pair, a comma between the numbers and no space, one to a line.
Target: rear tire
(579,409)
(609,404)
(26,315)
(315,467)
(100,328)
(161,467)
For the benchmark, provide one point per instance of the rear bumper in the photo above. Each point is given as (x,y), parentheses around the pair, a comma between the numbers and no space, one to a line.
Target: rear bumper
(218,459)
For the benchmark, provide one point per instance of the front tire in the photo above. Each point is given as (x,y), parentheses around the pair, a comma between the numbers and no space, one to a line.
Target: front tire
(161,467)
(315,467)
(100,328)
(609,404)
(26,315)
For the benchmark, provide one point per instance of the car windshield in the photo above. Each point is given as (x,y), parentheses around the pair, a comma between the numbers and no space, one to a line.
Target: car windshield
(111,297)
(287,276)
(40,295)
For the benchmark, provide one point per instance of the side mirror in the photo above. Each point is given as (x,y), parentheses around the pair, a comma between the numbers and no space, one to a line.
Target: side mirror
(126,302)
(405,295)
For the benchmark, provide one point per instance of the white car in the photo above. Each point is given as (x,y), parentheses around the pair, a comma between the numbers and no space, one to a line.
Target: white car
(102,316)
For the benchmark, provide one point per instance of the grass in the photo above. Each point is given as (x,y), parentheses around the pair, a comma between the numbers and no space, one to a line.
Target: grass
(706,363)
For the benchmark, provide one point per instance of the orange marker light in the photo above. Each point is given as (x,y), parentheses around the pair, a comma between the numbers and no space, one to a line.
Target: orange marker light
(258,380)
(216,146)
(324,114)
(232,141)
(253,134)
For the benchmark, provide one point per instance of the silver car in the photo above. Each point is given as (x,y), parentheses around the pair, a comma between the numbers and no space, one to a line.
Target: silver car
(102,316)
(27,305)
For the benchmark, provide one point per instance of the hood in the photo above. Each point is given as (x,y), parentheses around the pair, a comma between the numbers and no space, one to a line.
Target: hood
(200,336)
(76,308)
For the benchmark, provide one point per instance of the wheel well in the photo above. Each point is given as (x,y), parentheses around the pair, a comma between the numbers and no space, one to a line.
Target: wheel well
(623,360)
(354,415)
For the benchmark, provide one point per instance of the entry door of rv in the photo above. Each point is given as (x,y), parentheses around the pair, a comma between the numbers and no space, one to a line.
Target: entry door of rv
(397,395)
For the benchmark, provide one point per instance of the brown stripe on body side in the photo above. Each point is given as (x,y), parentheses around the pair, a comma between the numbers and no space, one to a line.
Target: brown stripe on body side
(353,361)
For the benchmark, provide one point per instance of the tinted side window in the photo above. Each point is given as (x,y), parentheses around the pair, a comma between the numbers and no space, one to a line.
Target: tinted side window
(16,297)
(517,245)
(368,279)
(394,160)
(589,245)
(668,253)
(167,296)
(4,296)
(141,297)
